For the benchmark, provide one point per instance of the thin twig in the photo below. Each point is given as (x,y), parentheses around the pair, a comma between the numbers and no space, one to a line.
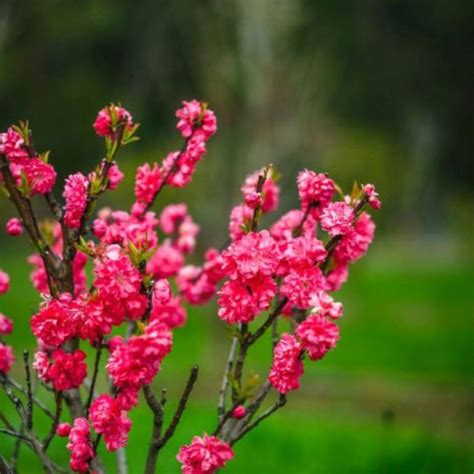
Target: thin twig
(225,378)
(278,404)
(94,376)
(122,461)
(54,425)
(29,413)
(36,401)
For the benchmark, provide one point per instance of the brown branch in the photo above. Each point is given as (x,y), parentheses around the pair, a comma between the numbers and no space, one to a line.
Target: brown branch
(29,393)
(54,425)
(158,442)
(277,405)
(225,378)
(36,401)
(94,376)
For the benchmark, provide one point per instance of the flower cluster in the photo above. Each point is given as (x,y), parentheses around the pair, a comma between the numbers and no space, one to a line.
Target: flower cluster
(31,173)
(205,455)
(139,276)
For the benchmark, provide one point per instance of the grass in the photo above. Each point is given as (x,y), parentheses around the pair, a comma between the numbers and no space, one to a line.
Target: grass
(394,397)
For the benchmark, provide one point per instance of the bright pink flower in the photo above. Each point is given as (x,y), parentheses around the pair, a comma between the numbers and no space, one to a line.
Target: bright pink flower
(194,283)
(204,455)
(104,125)
(355,243)
(80,446)
(14,227)
(75,195)
(40,176)
(171,217)
(4,282)
(127,397)
(317,335)
(240,302)
(6,325)
(214,265)
(337,218)
(115,176)
(325,305)
(94,319)
(256,253)
(253,199)
(315,191)
(166,261)
(301,283)
(239,412)
(195,116)
(180,166)
(41,364)
(372,196)
(161,292)
(55,323)
(270,191)
(109,419)
(13,146)
(147,182)
(287,367)
(6,358)
(284,228)
(239,216)
(301,252)
(67,370)
(135,362)
(338,276)
(188,231)
(63,429)
(172,314)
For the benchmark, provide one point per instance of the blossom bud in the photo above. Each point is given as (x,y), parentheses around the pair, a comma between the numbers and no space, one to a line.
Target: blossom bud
(239,412)
(14,227)
(63,429)
(253,199)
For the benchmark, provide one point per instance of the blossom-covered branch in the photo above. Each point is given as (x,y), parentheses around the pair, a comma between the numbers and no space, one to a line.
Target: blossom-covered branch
(140,286)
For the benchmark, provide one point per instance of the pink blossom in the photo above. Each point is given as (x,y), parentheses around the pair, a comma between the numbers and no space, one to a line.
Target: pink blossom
(94,319)
(166,261)
(41,364)
(301,283)
(355,243)
(325,305)
(75,195)
(270,191)
(67,370)
(4,282)
(114,176)
(104,125)
(147,182)
(40,176)
(14,227)
(161,292)
(337,218)
(171,314)
(204,455)
(179,166)
(127,397)
(80,446)
(109,419)
(301,252)
(194,116)
(6,325)
(240,302)
(63,429)
(55,323)
(284,229)
(214,265)
(13,146)
(338,276)
(136,362)
(194,283)
(188,231)
(253,199)
(256,253)
(315,191)
(372,196)
(239,216)
(317,335)
(239,412)
(171,217)
(6,358)
(287,367)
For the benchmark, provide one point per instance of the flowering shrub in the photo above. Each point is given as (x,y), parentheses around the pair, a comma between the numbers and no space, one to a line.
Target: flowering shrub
(141,286)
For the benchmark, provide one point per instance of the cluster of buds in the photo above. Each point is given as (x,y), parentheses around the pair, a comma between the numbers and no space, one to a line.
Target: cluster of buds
(140,283)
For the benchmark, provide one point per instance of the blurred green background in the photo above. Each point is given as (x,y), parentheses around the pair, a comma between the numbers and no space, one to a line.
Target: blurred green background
(377,91)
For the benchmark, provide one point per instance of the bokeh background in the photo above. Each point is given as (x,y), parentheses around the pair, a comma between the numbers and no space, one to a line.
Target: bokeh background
(377,91)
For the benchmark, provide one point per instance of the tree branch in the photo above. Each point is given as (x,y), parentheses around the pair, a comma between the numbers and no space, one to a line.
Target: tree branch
(54,425)
(29,413)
